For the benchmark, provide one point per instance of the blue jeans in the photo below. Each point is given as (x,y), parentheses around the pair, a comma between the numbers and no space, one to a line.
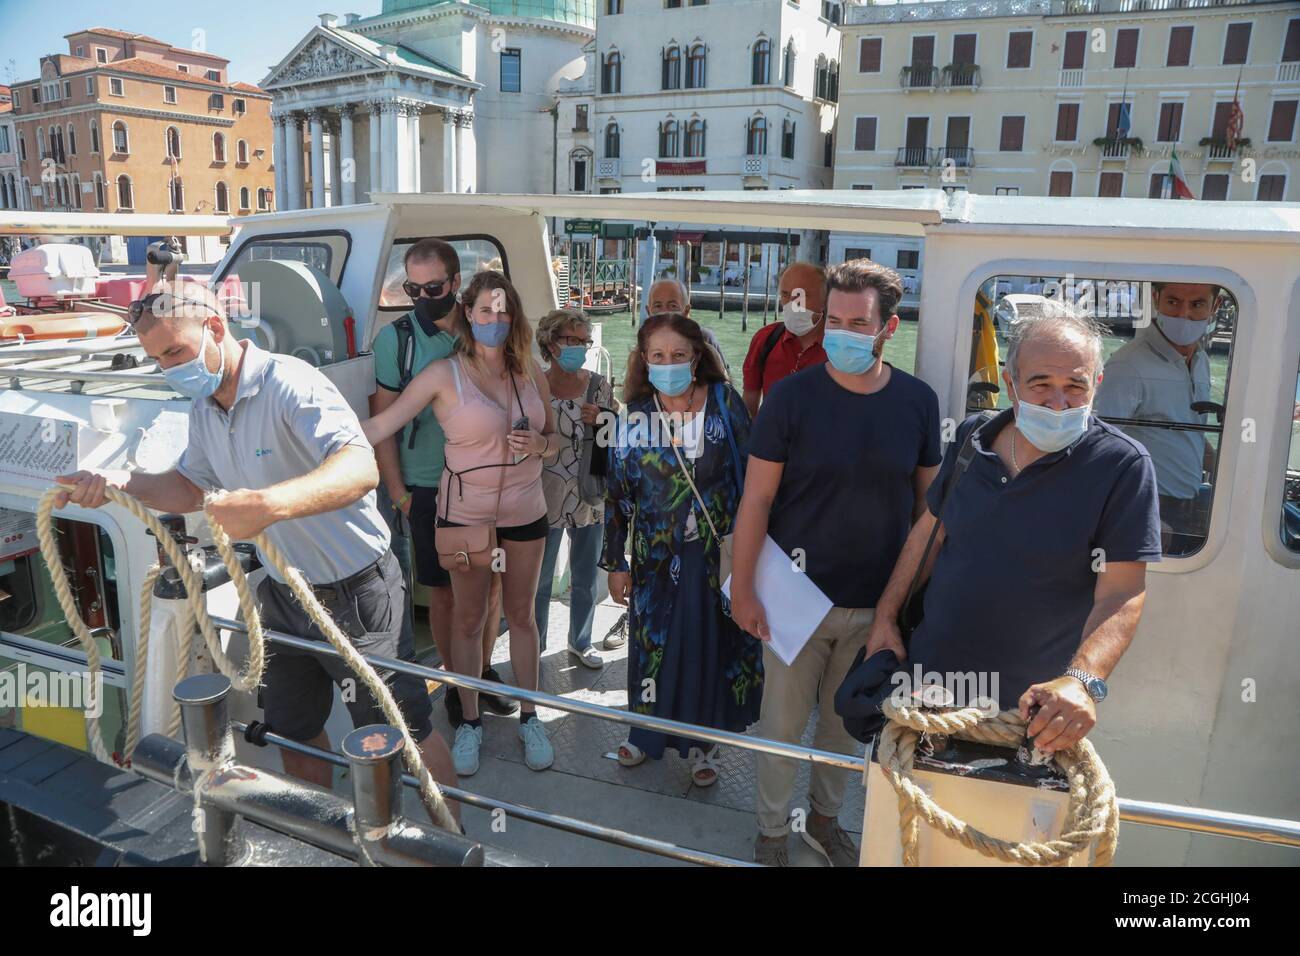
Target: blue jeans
(584,551)
(401,546)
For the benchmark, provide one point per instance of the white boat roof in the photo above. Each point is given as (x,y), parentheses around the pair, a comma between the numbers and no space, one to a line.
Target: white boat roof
(20,222)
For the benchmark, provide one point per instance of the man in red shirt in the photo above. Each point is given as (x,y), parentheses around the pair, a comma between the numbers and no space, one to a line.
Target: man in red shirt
(795,342)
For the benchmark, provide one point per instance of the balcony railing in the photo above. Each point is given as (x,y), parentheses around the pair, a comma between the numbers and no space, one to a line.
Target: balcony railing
(1288,72)
(1071,79)
(1115,149)
(963,157)
(961,76)
(754,166)
(1216,149)
(611,168)
(913,156)
(965,10)
(920,77)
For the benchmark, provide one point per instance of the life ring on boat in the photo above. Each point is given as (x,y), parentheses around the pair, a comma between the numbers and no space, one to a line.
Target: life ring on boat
(60,325)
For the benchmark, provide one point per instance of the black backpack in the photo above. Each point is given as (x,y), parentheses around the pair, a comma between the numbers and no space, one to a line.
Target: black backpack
(405,361)
(768,347)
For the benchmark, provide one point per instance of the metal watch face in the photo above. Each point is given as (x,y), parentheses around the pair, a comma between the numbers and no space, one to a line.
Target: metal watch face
(1097,689)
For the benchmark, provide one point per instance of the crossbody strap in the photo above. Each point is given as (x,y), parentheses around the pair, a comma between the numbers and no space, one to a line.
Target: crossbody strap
(964,457)
(691,481)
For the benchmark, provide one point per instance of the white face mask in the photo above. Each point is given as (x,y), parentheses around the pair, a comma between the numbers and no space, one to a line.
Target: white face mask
(1181,331)
(799,322)
(1047,429)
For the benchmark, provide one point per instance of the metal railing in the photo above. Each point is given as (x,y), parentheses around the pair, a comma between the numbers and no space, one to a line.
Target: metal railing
(1251,827)
(963,157)
(918,77)
(912,156)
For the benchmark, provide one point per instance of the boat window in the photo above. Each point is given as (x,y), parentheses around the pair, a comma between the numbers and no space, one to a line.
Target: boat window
(1167,352)
(476,254)
(1291,490)
(326,251)
(30,610)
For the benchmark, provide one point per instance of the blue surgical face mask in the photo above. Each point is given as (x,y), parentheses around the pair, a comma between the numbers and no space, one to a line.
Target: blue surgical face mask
(571,357)
(1049,430)
(850,352)
(192,379)
(671,379)
(491,334)
(1181,331)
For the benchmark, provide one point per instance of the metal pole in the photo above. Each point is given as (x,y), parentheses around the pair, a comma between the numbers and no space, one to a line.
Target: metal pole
(767,280)
(744,287)
(205,720)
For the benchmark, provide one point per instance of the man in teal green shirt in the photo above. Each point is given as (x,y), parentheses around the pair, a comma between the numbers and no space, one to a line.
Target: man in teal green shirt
(411,463)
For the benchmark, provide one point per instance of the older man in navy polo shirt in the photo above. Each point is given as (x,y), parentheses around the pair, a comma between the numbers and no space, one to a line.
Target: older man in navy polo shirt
(276,437)
(1040,573)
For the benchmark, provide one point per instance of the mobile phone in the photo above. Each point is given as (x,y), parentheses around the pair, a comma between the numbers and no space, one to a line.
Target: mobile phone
(520,424)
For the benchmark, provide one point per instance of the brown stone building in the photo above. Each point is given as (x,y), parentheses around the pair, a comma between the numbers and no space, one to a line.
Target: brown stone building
(126,123)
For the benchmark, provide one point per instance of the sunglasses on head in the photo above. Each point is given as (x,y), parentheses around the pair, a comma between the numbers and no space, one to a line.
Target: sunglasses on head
(432,289)
(169,303)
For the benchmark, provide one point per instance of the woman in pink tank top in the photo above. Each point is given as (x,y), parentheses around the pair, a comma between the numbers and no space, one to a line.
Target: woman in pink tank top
(493,404)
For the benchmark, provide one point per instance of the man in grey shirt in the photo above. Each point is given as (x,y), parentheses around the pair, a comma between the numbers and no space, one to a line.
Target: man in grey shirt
(1157,378)
(287,454)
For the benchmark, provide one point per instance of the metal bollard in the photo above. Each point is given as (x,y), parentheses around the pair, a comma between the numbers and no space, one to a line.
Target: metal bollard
(383,837)
(205,720)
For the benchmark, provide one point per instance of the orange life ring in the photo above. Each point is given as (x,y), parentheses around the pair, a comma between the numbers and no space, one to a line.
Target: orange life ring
(61,325)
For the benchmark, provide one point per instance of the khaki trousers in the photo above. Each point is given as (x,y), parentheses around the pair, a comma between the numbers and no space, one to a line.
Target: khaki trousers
(789,695)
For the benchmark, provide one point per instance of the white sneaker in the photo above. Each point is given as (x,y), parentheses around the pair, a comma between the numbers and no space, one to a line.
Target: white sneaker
(464,752)
(538,752)
(589,657)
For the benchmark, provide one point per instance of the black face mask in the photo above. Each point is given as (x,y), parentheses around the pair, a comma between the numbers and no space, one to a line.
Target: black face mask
(429,311)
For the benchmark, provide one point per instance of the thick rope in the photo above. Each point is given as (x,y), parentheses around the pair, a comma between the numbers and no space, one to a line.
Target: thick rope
(1093,813)
(196,614)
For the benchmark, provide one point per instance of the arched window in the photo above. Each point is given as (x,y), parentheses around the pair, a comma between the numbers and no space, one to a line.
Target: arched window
(22,148)
(580,170)
(173,143)
(124,199)
(241,151)
(262,199)
(121,143)
(40,142)
(223,198)
(695,67)
(695,138)
(787,73)
(612,141)
(177,192)
(99,191)
(668,139)
(611,73)
(833,81)
(671,73)
(94,137)
(72,140)
(761,72)
(243,197)
(821,78)
(74,200)
(787,138)
(756,137)
(218,147)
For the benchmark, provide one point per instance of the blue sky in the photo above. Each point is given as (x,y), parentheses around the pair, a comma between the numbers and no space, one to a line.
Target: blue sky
(253,34)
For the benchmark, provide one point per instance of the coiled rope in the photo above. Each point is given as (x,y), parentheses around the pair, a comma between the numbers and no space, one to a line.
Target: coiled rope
(196,614)
(1093,813)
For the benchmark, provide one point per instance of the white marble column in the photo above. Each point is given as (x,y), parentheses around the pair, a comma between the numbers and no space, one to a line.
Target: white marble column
(466,154)
(388,155)
(413,112)
(317,159)
(293,163)
(348,156)
(336,165)
(402,149)
(376,152)
(448,150)
(280,152)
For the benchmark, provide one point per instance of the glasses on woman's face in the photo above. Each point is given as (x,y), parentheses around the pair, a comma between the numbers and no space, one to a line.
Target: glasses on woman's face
(573,340)
(432,289)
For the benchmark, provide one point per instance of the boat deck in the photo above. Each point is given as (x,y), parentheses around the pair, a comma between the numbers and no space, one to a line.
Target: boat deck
(656,799)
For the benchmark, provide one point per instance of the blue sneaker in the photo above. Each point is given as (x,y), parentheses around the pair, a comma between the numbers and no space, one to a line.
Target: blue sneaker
(464,752)
(538,752)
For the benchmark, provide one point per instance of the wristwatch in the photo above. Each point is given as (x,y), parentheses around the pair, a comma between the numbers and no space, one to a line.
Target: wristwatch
(1094,685)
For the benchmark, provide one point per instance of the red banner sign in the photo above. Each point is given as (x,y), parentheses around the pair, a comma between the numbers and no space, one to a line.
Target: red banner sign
(670,168)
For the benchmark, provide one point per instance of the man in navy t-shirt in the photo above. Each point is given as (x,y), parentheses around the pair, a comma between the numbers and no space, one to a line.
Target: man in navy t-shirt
(840,459)
(1043,545)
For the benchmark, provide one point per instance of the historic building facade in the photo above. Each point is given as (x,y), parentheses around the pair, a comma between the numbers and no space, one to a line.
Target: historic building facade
(425,97)
(127,123)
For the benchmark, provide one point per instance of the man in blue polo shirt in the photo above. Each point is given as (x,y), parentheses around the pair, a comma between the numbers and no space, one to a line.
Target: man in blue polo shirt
(274,435)
(840,458)
(1044,541)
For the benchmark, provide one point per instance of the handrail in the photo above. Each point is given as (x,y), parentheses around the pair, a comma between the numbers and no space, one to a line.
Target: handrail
(1272,830)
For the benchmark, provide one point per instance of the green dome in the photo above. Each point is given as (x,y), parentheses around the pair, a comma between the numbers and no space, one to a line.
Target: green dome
(582,12)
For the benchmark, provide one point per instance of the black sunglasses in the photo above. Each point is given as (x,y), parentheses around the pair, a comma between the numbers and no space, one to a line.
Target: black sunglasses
(432,289)
(136,309)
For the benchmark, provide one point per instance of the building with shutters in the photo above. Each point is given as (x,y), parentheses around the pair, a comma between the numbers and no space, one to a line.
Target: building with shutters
(1071,97)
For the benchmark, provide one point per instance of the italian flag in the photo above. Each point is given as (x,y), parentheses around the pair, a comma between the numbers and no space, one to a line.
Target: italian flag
(1180,187)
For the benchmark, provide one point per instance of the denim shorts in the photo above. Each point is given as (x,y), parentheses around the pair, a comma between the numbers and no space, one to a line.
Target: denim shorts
(299,686)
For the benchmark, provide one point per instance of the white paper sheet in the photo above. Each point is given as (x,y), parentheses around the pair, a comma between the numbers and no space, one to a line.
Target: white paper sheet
(795,607)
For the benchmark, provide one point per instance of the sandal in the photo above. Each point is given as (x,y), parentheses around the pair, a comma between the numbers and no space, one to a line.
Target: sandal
(629,754)
(704,772)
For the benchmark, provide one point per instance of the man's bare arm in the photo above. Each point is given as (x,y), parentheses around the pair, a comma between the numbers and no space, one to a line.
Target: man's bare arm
(1116,608)
(386,454)
(752,396)
(169,491)
(335,483)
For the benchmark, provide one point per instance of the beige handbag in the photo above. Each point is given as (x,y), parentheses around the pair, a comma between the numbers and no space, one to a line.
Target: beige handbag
(726,544)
